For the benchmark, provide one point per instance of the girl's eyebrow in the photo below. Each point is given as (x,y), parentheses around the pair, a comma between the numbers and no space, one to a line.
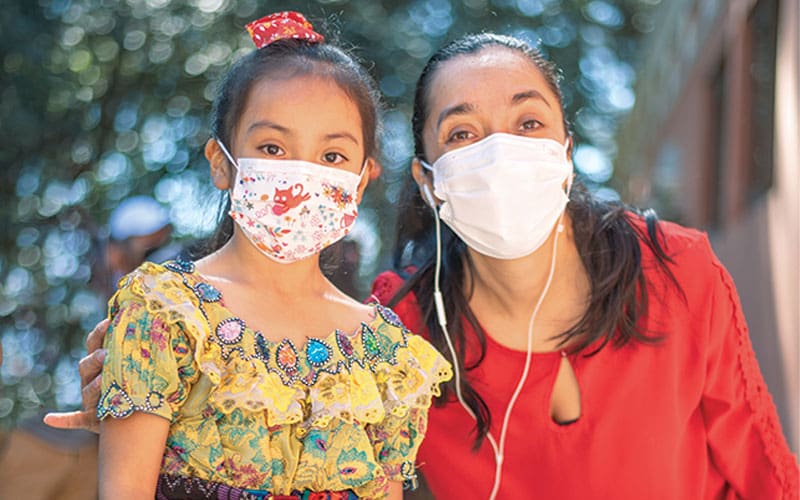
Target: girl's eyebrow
(287,131)
(529,94)
(268,124)
(341,135)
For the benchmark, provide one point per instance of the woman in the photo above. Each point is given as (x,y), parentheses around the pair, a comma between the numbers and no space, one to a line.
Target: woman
(641,383)
(602,354)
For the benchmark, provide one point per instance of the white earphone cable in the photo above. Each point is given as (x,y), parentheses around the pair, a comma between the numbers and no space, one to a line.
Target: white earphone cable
(442,319)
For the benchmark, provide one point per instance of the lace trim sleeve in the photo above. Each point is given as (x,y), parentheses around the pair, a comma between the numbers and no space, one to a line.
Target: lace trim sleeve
(774,468)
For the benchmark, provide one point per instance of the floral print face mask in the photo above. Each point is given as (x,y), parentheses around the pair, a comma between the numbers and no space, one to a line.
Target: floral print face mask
(292,209)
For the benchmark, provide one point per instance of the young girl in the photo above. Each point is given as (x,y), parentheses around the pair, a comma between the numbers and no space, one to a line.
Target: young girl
(248,374)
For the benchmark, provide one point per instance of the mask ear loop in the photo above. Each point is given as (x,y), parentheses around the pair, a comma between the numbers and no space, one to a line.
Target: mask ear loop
(360,178)
(226,153)
(499,449)
(235,165)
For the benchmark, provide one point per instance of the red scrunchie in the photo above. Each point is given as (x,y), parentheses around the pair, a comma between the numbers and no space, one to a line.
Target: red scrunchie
(282,25)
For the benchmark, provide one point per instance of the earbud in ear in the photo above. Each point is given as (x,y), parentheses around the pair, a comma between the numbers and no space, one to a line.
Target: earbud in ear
(426,193)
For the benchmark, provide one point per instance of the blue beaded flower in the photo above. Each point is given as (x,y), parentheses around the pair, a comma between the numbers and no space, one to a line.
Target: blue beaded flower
(207,293)
(318,352)
(181,266)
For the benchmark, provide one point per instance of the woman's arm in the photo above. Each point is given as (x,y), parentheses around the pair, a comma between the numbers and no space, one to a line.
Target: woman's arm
(130,456)
(744,434)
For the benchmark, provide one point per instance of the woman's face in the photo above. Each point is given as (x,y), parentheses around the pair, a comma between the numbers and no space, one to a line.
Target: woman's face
(493,90)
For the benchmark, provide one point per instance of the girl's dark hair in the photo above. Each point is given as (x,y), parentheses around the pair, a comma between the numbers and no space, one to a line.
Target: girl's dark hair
(285,59)
(607,240)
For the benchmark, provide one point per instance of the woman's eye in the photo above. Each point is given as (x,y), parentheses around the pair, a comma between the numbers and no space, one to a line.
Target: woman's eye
(272,150)
(459,135)
(334,158)
(531,125)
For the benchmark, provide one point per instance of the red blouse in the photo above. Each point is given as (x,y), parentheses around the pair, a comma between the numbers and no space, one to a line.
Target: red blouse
(687,418)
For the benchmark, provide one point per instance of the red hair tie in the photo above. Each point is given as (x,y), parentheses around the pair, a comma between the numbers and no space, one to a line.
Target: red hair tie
(282,25)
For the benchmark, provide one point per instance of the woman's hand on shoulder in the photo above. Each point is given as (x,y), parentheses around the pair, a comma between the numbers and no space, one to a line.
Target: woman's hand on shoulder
(90,368)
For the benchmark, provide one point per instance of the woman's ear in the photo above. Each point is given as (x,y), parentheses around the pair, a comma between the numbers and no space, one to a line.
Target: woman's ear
(424,182)
(220,166)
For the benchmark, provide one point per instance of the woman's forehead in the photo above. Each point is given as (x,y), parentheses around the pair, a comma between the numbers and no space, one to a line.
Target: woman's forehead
(491,75)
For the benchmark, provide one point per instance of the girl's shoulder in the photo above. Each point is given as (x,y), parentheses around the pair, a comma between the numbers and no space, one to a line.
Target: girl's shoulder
(151,278)
(166,290)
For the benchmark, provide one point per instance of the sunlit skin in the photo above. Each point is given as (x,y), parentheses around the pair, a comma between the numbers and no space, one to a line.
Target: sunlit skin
(319,124)
(471,97)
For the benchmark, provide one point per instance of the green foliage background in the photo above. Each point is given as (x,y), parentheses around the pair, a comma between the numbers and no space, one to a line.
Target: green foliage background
(101,99)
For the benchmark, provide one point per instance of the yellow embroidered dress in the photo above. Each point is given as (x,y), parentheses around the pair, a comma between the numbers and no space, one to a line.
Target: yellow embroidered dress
(345,412)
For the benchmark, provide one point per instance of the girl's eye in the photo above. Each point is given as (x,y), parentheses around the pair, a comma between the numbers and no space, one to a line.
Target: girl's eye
(531,125)
(334,158)
(459,135)
(272,150)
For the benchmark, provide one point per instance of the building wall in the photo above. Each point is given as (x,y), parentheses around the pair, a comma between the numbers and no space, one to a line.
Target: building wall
(783,210)
(693,147)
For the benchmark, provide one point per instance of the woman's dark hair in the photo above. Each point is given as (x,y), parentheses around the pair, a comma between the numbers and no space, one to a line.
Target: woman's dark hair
(284,59)
(607,240)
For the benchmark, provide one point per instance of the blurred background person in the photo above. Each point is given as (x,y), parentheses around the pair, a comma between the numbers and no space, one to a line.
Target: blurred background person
(138,230)
(38,462)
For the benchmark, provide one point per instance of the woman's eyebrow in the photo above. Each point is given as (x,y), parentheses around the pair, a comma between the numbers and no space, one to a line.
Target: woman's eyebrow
(458,109)
(529,94)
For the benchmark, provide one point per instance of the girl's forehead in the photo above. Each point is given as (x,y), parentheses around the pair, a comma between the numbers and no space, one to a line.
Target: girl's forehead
(299,110)
(288,90)
(301,98)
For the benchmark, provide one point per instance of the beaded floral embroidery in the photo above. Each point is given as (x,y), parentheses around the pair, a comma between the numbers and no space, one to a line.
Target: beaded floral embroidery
(237,402)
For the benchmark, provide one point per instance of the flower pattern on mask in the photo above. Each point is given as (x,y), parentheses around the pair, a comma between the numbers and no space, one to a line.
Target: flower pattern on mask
(291,209)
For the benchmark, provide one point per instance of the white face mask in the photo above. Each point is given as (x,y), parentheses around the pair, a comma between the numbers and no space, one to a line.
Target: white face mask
(503,194)
(292,209)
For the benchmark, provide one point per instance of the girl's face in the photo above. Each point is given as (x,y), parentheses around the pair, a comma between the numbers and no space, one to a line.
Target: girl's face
(493,90)
(305,118)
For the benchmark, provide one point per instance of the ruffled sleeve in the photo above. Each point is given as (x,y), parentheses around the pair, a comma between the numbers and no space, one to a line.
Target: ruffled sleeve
(744,433)
(407,388)
(149,366)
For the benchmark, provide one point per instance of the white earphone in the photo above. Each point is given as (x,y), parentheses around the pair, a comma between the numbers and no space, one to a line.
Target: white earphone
(498,449)
(428,196)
